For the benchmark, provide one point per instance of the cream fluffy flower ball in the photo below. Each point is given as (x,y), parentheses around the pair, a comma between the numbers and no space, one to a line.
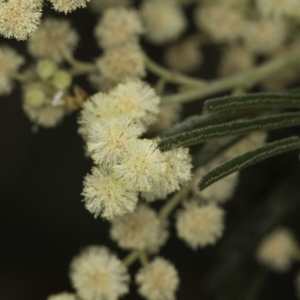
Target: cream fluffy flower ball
(118,63)
(99,106)
(136,100)
(52,38)
(200,226)
(277,8)
(62,296)
(158,280)
(19,18)
(67,6)
(278,250)
(106,196)
(108,139)
(220,22)
(97,274)
(183,56)
(167,116)
(141,167)
(177,173)
(46,115)
(139,230)
(118,25)
(164,20)
(264,36)
(235,59)
(10,62)
(133,99)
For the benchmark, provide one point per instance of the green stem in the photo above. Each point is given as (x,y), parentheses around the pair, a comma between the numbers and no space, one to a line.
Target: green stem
(143,257)
(21,77)
(248,78)
(173,202)
(84,69)
(79,67)
(163,214)
(170,76)
(131,258)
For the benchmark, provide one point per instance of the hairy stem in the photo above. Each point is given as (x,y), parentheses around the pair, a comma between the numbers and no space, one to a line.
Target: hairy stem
(170,76)
(245,79)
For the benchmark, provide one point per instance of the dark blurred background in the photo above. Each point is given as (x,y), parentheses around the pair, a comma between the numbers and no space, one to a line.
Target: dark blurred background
(43,222)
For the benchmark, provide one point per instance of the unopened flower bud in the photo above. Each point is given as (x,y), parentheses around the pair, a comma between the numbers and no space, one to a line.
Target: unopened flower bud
(35,97)
(61,80)
(45,68)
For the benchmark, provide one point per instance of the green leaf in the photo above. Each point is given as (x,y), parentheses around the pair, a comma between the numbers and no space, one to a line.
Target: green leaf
(253,101)
(214,148)
(249,158)
(197,136)
(203,120)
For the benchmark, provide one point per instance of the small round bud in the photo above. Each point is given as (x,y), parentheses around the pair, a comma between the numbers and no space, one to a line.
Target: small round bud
(45,68)
(35,97)
(61,79)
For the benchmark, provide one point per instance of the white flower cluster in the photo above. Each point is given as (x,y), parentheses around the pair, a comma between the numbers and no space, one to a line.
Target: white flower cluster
(20,18)
(97,274)
(278,250)
(117,33)
(112,123)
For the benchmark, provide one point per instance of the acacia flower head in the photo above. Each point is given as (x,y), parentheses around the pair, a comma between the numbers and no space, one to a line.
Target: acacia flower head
(200,226)
(177,173)
(118,25)
(19,18)
(97,274)
(236,59)
(141,167)
(278,8)
(62,296)
(99,106)
(126,60)
(167,116)
(10,61)
(265,36)
(52,38)
(278,250)
(139,230)
(67,6)
(221,22)
(136,100)
(164,20)
(106,196)
(186,48)
(158,280)
(108,138)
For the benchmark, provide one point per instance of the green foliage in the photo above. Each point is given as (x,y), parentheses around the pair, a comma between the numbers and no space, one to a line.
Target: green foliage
(249,158)
(197,136)
(253,101)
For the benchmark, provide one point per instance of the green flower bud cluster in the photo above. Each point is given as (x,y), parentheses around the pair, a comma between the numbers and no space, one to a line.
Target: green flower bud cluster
(58,78)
